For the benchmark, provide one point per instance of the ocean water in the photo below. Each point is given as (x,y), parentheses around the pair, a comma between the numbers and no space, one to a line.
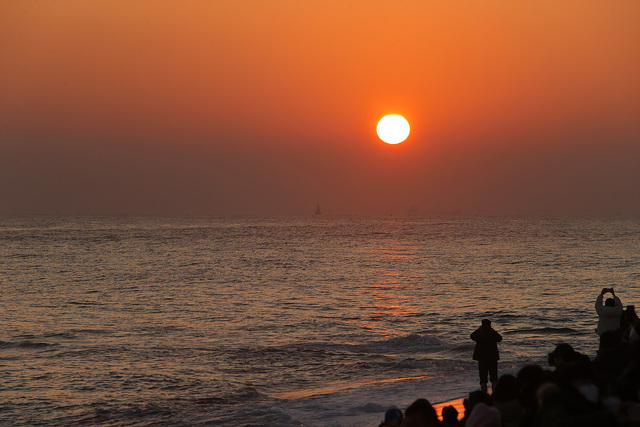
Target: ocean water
(286,321)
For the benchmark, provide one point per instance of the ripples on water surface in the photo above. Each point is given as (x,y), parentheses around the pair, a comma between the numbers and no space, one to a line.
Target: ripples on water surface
(282,321)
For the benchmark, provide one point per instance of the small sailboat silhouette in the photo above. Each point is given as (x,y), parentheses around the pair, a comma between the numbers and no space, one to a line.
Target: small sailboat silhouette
(318,211)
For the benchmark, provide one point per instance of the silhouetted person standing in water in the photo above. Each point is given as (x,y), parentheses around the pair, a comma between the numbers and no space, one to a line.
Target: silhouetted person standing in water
(486,353)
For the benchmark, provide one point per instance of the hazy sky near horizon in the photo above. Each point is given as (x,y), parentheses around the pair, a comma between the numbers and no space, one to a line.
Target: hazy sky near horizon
(269,107)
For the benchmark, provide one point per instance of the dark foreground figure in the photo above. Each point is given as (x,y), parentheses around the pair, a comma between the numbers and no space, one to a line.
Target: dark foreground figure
(573,391)
(486,353)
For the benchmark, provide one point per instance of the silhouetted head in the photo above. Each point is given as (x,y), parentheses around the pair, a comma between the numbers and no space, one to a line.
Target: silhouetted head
(449,415)
(420,414)
(550,398)
(486,323)
(483,415)
(530,374)
(610,302)
(506,389)
(561,355)
(528,379)
(474,398)
(392,417)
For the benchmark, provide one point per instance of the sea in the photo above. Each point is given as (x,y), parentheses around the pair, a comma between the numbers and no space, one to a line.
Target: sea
(286,321)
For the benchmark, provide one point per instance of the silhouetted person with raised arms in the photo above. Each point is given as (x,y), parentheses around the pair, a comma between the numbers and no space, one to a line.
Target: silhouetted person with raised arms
(609,313)
(486,353)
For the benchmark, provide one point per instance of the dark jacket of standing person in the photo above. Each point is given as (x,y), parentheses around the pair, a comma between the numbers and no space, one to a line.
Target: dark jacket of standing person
(487,340)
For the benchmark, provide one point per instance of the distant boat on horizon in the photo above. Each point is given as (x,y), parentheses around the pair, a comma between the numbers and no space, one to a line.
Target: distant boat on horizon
(318,211)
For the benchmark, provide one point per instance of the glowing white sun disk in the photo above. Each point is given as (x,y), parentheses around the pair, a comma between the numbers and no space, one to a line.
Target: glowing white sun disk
(393,129)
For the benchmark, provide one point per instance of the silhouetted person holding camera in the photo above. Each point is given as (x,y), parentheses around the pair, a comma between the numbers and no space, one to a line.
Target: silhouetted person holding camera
(486,353)
(609,313)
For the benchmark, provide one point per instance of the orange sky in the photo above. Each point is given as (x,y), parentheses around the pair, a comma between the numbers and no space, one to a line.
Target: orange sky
(268,107)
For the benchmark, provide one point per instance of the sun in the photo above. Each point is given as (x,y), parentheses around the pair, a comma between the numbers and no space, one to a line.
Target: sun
(393,129)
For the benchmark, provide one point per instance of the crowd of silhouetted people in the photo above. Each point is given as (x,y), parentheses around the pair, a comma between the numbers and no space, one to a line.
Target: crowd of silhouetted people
(573,391)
